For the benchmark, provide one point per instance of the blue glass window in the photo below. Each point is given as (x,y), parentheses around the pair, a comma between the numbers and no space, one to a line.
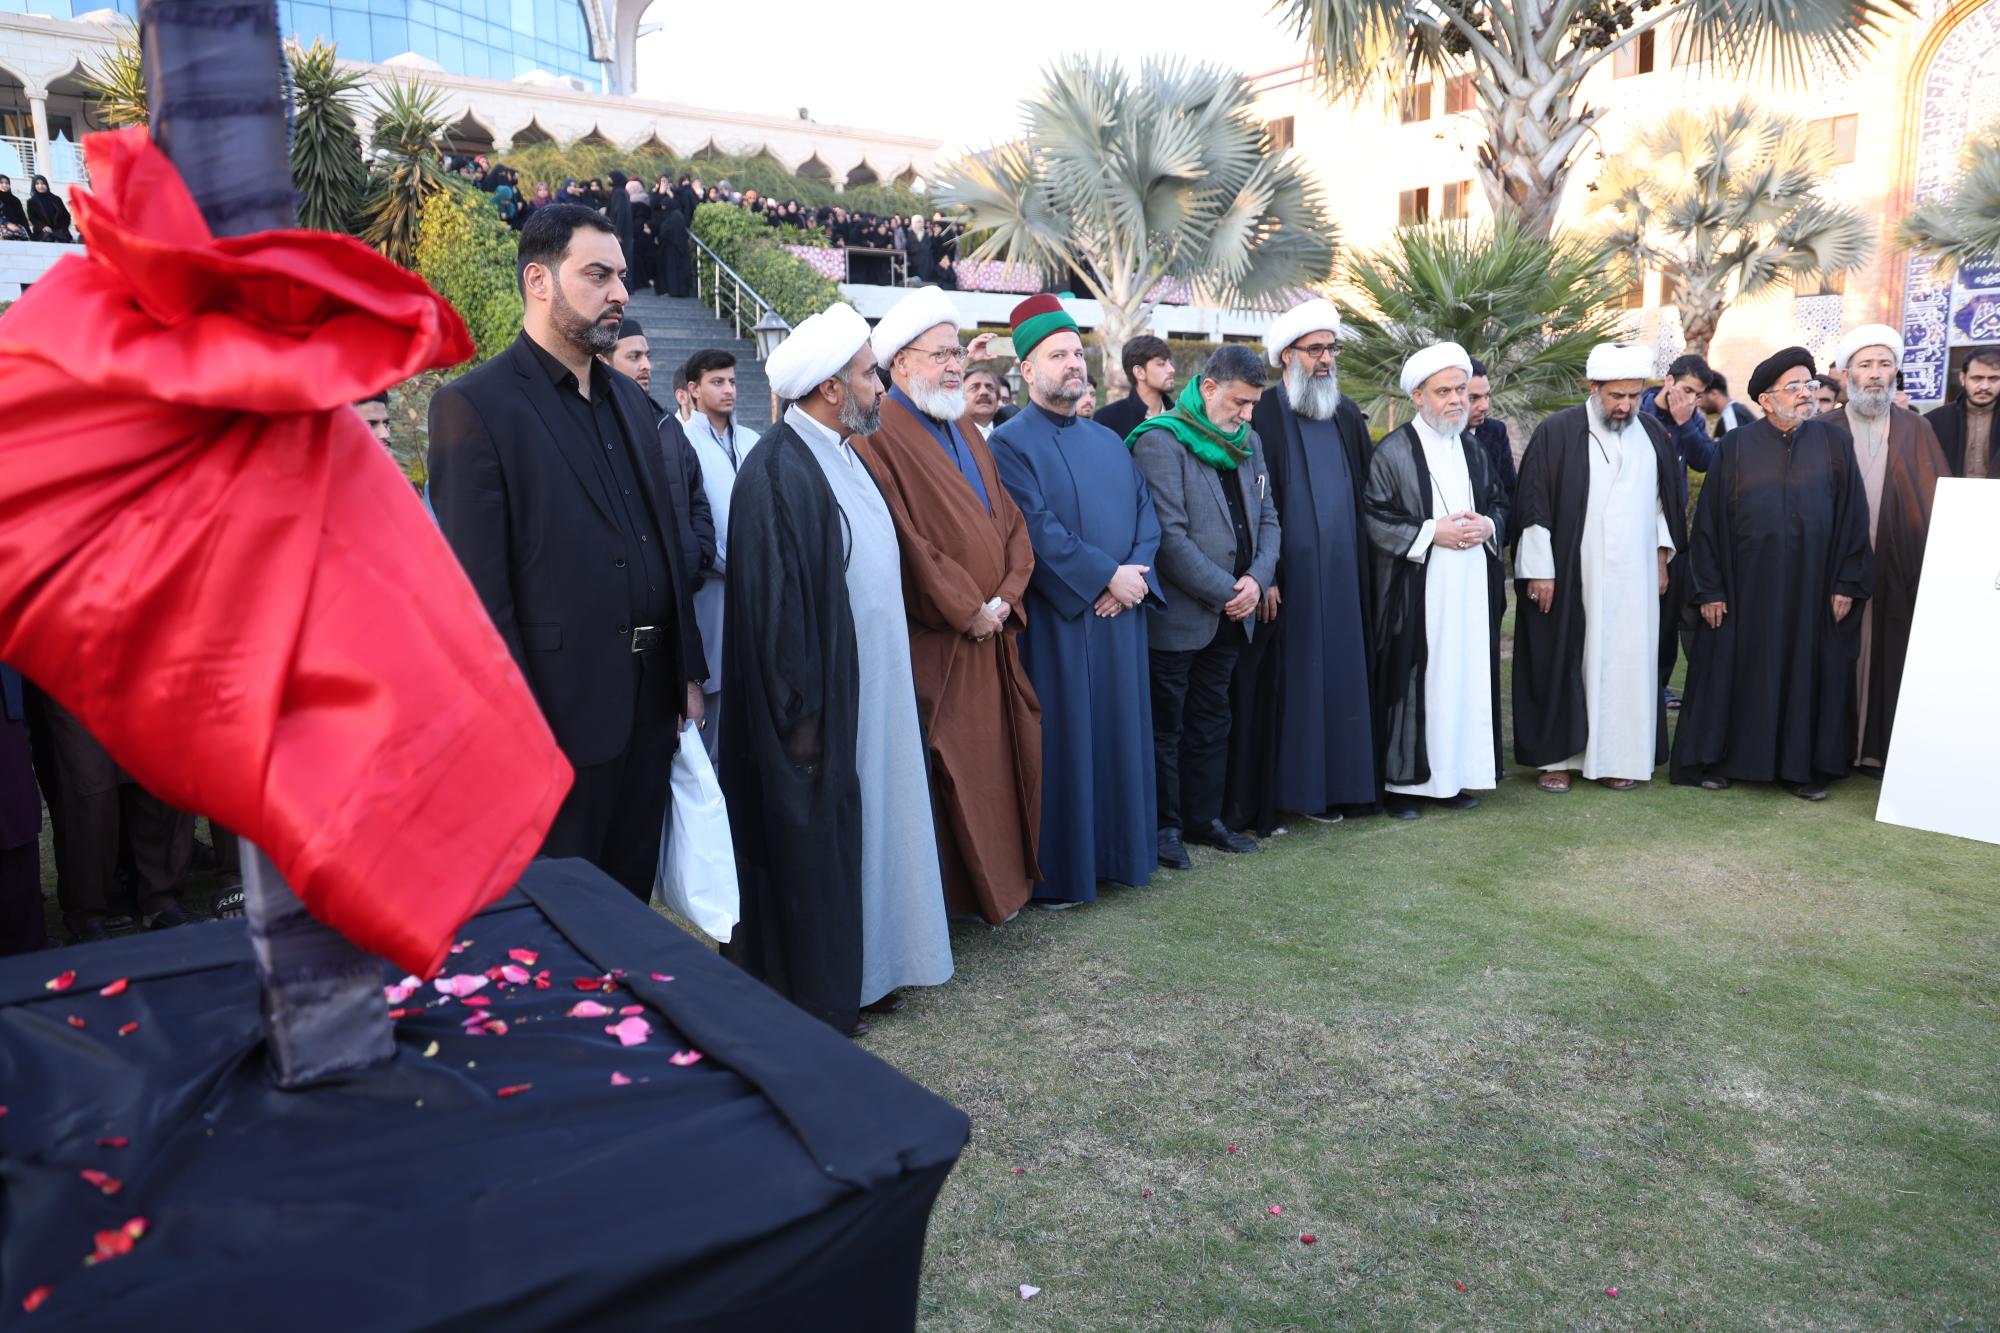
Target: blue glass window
(391,36)
(350,33)
(312,22)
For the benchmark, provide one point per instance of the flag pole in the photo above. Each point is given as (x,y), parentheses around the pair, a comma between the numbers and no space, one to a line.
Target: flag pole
(217,94)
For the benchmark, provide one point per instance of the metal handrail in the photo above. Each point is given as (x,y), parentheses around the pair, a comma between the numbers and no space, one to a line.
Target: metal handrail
(739,293)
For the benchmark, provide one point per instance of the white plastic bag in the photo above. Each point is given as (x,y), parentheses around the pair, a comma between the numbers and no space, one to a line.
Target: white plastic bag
(697,876)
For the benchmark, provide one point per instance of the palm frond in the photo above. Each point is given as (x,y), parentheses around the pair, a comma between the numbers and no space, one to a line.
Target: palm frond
(1963,228)
(407,167)
(327,169)
(117,80)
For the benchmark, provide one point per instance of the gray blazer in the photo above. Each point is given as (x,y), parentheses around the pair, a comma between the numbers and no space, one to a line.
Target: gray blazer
(1197,540)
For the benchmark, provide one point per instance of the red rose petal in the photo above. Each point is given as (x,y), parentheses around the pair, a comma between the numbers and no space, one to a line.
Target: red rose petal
(525,956)
(1611,1292)
(115,988)
(74,1021)
(633,1009)
(111,1244)
(1459,1285)
(1276,1211)
(33,1300)
(1145,1194)
(588,983)
(127,1029)
(118,1142)
(1232,1147)
(513,1089)
(110,1184)
(1020,1170)
(63,982)
(477,1001)
(406,1013)
(493,973)
(659,976)
(1309,1239)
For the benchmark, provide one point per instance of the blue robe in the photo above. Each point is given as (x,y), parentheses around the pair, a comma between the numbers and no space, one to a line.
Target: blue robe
(1088,512)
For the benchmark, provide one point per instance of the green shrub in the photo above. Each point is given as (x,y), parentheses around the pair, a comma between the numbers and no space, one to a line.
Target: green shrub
(466,253)
(755,250)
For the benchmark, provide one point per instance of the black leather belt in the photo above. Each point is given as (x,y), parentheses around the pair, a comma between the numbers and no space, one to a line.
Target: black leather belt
(648,638)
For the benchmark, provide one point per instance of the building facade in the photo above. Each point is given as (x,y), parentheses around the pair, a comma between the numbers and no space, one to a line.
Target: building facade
(1896,126)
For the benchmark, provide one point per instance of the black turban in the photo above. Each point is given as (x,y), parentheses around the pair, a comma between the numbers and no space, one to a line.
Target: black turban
(629,328)
(1767,373)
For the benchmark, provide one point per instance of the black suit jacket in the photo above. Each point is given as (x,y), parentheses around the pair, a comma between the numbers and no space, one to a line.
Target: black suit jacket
(1949,423)
(520,500)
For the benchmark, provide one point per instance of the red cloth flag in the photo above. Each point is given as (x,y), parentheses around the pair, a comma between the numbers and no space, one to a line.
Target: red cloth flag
(207,558)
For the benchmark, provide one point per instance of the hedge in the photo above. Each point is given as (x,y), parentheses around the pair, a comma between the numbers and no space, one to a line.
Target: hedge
(755,250)
(467,254)
(556,163)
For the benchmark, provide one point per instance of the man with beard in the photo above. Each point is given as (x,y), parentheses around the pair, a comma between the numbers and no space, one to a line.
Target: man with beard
(1149,368)
(982,401)
(1597,529)
(1435,514)
(547,479)
(1303,732)
(836,853)
(1778,556)
(1900,461)
(1095,535)
(1964,426)
(966,563)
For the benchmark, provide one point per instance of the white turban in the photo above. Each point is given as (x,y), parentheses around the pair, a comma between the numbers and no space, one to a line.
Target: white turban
(1868,335)
(1619,361)
(910,318)
(816,351)
(1297,322)
(1436,357)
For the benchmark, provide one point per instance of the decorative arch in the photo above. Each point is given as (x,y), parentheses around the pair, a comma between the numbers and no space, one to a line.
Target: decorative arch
(467,136)
(1954,57)
(862,174)
(814,169)
(532,132)
(596,139)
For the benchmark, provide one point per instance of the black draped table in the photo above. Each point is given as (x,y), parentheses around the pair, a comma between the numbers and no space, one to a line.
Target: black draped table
(516,1166)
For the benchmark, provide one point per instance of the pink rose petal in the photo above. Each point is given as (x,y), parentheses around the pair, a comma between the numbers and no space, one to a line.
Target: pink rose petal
(462,985)
(588,1009)
(619,1080)
(633,1009)
(682,1058)
(520,976)
(661,977)
(526,957)
(63,982)
(1611,1292)
(1029,1293)
(632,1031)
(1276,1211)
(115,988)
(397,994)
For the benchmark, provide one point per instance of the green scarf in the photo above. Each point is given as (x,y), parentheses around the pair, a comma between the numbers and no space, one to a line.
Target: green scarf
(1189,422)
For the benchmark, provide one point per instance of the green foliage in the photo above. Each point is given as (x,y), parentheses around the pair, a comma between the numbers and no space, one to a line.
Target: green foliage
(408,167)
(327,169)
(1528,60)
(553,163)
(1729,201)
(117,80)
(1529,307)
(410,422)
(467,254)
(792,286)
(1964,226)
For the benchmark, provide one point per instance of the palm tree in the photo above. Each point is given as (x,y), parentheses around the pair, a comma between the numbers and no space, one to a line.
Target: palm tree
(1728,203)
(1129,181)
(1963,228)
(1527,59)
(407,169)
(1529,307)
(117,81)
(326,144)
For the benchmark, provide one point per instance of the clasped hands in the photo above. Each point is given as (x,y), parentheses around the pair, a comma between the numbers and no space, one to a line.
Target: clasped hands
(987,621)
(1126,590)
(1460,532)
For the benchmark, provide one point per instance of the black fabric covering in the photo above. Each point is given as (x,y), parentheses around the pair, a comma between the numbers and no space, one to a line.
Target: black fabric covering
(783,1182)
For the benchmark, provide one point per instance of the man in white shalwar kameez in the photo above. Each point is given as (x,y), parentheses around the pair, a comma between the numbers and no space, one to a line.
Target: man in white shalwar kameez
(1596,542)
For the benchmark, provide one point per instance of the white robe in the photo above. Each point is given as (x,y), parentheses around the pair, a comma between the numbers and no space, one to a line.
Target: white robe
(1624,529)
(718,481)
(905,939)
(1458,682)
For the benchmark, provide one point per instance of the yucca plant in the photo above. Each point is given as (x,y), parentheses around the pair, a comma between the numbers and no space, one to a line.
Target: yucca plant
(327,168)
(1530,307)
(1728,201)
(407,167)
(1963,228)
(1127,181)
(117,79)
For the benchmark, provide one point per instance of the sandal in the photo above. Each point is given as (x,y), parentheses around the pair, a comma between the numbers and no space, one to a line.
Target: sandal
(1618,784)
(1556,784)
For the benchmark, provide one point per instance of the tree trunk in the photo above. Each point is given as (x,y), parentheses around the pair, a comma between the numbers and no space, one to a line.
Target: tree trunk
(215,80)
(1526,159)
(1698,326)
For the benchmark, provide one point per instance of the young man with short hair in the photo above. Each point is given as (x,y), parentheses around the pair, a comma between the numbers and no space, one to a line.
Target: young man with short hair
(1149,367)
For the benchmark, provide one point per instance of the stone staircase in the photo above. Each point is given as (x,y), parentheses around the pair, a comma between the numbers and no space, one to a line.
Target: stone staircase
(677,328)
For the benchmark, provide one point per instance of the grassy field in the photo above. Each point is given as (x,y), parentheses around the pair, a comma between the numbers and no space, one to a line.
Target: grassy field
(1732,1054)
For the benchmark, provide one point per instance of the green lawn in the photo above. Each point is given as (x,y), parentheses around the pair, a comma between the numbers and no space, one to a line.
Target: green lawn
(1736,1055)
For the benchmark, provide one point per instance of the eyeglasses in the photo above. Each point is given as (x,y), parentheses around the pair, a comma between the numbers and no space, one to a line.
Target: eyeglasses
(943,356)
(1317,350)
(1803,386)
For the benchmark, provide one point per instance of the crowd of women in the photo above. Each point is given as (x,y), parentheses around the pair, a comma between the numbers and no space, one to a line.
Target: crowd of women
(42,216)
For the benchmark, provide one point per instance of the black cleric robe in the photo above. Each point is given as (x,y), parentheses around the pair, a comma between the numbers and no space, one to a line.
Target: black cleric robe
(1302,730)
(1782,527)
(1551,720)
(1395,505)
(790,703)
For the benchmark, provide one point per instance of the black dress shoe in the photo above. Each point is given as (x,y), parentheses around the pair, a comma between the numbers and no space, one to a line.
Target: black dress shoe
(1401,807)
(171,916)
(1223,838)
(1465,800)
(1807,791)
(88,930)
(888,1004)
(858,1031)
(1173,855)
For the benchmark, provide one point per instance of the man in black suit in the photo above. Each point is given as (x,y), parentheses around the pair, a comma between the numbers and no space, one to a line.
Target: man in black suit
(547,479)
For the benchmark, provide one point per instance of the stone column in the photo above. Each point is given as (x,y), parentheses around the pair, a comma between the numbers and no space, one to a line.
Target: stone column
(38,111)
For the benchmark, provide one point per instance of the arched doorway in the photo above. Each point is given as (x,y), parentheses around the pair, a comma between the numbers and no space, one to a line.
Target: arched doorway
(1957,90)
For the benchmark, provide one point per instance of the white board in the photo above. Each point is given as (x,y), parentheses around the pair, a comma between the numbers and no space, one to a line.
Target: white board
(1945,752)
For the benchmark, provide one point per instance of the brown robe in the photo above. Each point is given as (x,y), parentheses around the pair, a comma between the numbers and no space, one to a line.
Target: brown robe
(982,721)
(1902,485)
